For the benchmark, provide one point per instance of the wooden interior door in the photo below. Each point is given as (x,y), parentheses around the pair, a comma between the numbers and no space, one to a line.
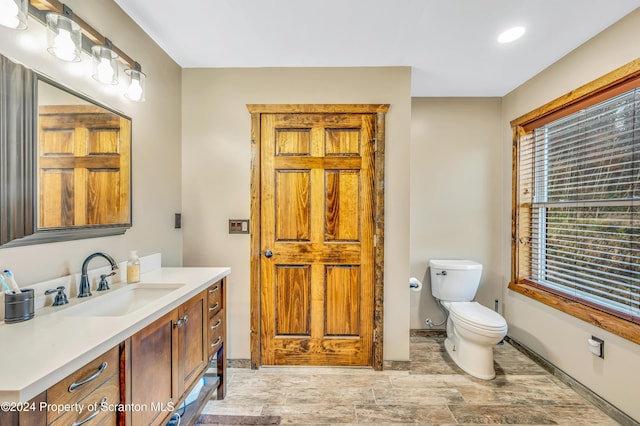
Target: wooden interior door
(317,238)
(83,166)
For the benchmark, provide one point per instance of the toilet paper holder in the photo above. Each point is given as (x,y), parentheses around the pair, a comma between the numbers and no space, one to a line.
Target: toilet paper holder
(596,346)
(415,284)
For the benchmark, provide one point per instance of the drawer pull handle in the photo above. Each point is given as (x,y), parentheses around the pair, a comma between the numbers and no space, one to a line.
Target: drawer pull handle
(214,307)
(213,290)
(213,345)
(76,385)
(93,416)
(216,325)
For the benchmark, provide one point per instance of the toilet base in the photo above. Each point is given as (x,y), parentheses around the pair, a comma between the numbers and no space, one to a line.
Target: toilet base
(474,359)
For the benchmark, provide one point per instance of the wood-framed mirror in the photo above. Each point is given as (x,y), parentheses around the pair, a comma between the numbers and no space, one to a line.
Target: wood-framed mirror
(65,162)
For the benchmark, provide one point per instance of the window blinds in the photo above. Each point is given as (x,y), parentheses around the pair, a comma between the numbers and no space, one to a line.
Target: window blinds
(579,206)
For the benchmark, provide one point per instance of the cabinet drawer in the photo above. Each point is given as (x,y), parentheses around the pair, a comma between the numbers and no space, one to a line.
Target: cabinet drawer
(214,299)
(81,383)
(216,332)
(104,399)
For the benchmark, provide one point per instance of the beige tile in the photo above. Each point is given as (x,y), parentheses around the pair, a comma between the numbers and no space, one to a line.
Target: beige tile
(310,414)
(255,396)
(397,414)
(222,407)
(330,395)
(430,380)
(525,394)
(575,415)
(418,396)
(434,391)
(501,414)
(530,414)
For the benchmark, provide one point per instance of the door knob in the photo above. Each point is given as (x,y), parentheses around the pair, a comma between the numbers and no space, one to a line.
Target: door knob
(268,253)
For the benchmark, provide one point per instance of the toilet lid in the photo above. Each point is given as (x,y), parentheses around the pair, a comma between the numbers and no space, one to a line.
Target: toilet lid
(478,315)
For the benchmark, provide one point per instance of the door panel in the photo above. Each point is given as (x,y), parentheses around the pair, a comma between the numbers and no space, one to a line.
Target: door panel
(154,353)
(293,295)
(343,142)
(83,162)
(192,341)
(342,216)
(317,221)
(293,142)
(292,212)
(342,301)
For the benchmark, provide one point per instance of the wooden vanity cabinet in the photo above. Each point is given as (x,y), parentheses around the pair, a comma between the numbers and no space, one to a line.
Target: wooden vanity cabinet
(92,388)
(151,377)
(217,326)
(192,342)
(30,417)
(152,372)
(165,360)
(87,396)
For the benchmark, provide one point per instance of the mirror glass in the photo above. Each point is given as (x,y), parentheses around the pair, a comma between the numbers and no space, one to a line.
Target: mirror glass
(83,160)
(65,162)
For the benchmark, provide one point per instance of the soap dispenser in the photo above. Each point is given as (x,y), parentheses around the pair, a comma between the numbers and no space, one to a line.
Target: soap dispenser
(133,268)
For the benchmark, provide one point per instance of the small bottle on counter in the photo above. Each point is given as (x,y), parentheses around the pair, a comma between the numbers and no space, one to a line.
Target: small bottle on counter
(133,268)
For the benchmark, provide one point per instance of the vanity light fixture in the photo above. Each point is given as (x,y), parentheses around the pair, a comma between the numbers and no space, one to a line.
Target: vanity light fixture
(105,64)
(512,34)
(137,84)
(68,35)
(63,36)
(13,13)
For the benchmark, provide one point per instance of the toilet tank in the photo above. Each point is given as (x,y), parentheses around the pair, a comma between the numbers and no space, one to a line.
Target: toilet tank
(455,280)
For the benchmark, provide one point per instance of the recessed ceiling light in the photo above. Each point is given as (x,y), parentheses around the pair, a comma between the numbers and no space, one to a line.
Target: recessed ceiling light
(511,34)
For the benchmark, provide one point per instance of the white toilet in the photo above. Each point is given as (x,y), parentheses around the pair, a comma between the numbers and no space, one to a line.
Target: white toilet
(472,329)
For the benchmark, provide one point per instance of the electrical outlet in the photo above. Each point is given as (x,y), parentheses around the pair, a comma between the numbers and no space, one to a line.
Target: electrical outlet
(238,226)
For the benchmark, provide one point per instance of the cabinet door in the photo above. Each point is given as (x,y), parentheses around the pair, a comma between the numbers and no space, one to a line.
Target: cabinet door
(192,341)
(154,378)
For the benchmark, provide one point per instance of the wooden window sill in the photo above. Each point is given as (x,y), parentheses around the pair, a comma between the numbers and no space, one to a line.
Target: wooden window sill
(618,326)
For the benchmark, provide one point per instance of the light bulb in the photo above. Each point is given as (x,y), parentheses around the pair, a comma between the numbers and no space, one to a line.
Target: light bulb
(9,12)
(105,71)
(63,47)
(137,84)
(9,7)
(135,90)
(63,37)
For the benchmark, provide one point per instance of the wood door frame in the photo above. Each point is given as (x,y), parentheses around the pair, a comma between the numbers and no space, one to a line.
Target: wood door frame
(256,110)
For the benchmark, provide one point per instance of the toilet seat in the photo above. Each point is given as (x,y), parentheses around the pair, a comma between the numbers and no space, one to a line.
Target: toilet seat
(475,316)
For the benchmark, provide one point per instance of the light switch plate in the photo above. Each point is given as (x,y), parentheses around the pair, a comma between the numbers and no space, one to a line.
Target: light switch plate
(238,226)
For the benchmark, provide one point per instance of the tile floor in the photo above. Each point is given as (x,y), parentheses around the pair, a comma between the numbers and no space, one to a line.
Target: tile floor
(433,392)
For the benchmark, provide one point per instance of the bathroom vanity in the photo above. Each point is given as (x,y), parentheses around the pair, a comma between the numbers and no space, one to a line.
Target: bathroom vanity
(129,357)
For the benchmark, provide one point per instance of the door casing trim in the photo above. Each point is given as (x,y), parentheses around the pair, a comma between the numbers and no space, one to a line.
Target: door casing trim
(256,110)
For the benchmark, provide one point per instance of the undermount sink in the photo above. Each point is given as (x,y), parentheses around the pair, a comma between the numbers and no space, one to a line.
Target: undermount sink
(120,302)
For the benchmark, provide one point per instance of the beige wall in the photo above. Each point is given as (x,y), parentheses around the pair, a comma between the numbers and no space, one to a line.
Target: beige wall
(191,153)
(456,186)
(216,169)
(560,338)
(155,146)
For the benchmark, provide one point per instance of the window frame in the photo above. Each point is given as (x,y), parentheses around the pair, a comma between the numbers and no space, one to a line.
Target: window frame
(614,83)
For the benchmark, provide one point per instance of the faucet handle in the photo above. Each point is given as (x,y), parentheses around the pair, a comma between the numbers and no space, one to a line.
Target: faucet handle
(104,284)
(61,298)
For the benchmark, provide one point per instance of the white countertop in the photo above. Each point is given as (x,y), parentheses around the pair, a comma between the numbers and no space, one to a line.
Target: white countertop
(36,354)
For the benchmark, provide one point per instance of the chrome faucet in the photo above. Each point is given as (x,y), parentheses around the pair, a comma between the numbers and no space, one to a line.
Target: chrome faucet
(85,288)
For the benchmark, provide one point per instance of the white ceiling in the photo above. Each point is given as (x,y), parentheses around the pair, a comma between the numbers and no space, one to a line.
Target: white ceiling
(450,44)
